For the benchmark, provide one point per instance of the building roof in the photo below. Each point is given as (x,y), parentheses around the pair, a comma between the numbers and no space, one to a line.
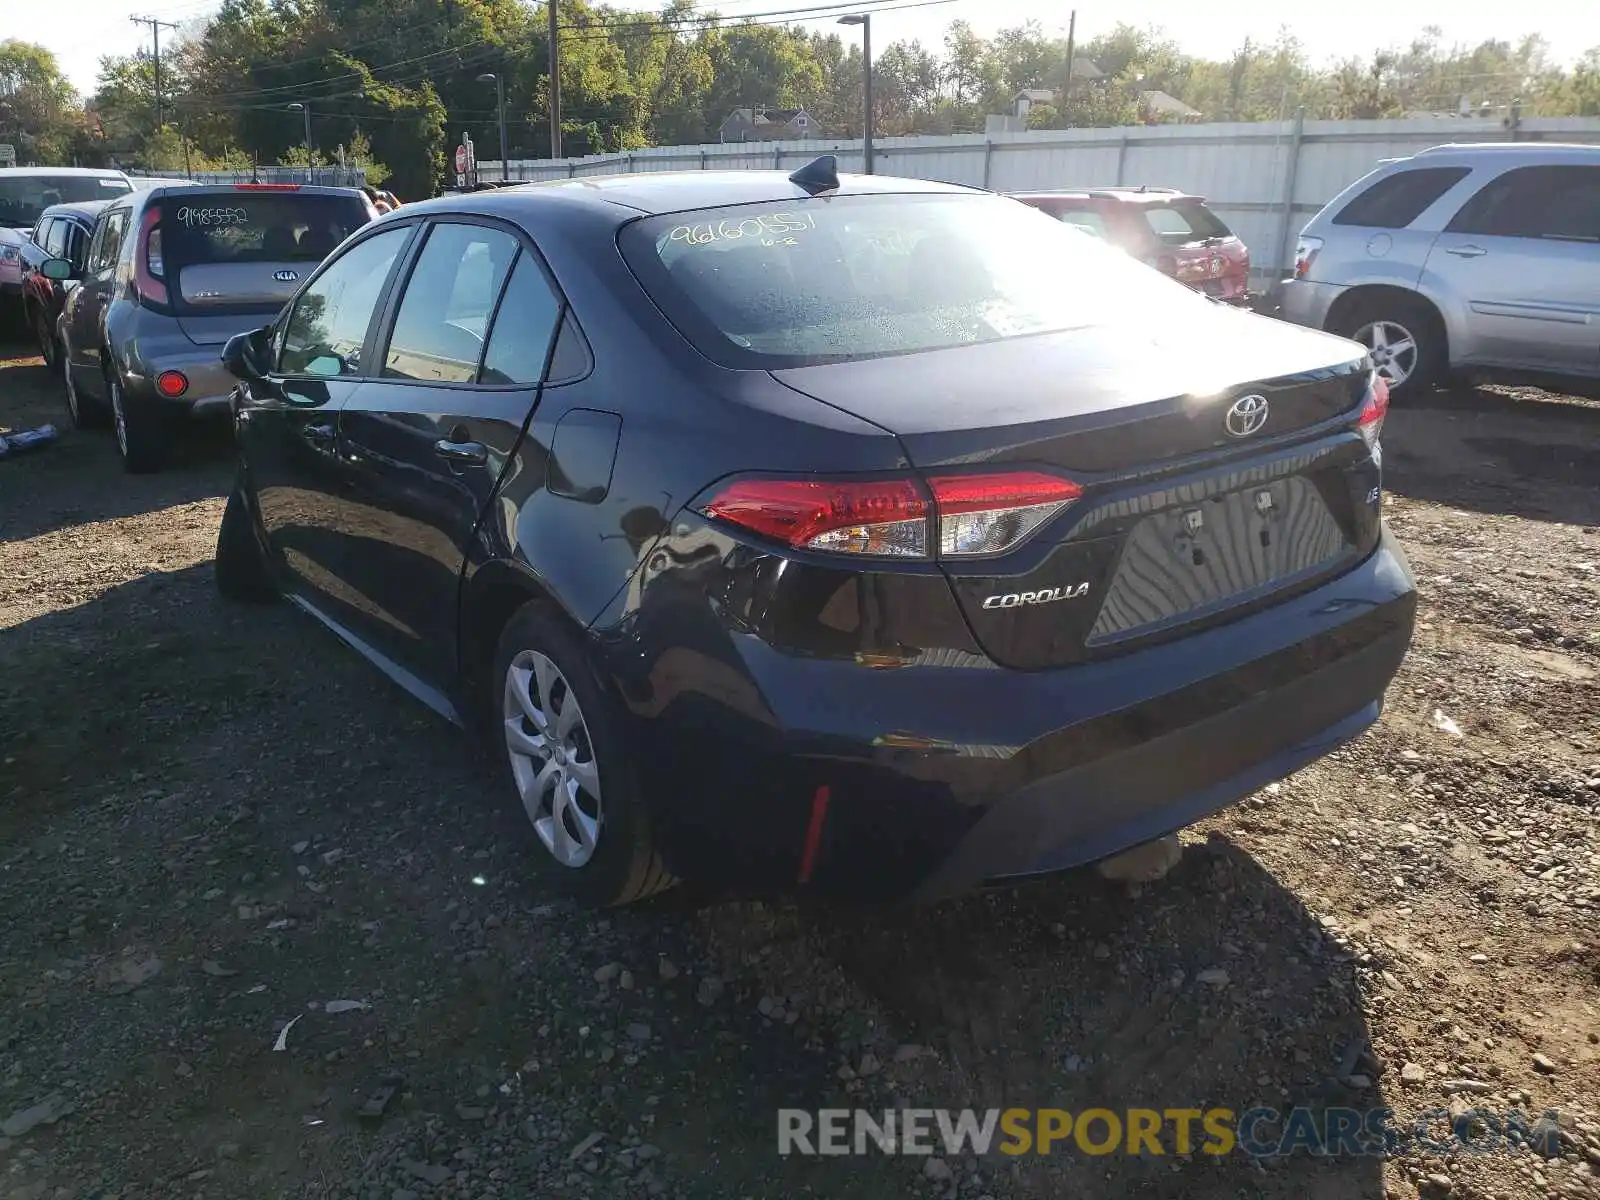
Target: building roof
(1165,105)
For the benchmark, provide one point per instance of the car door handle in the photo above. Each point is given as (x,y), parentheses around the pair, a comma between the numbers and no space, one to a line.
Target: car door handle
(318,433)
(1466,251)
(462,452)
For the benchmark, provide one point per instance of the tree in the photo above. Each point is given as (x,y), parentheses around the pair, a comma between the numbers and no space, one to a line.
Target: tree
(39,112)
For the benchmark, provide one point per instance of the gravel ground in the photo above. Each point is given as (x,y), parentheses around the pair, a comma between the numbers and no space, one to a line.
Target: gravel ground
(216,820)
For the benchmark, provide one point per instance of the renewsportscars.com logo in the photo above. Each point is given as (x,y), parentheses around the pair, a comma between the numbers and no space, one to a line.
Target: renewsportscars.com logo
(1257,1132)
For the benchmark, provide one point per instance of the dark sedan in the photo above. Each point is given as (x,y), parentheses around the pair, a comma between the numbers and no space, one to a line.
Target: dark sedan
(61,232)
(796,532)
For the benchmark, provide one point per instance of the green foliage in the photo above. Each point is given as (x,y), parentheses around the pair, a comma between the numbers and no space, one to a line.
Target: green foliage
(396,83)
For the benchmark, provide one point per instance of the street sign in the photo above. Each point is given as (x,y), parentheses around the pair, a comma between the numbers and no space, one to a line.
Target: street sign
(8,155)
(461,159)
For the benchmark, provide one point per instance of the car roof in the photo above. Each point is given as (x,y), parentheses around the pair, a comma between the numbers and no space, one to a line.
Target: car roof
(1129,195)
(78,208)
(1551,152)
(673,191)
(85,172)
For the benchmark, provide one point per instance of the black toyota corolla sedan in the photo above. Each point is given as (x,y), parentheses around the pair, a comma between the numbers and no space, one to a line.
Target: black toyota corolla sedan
(866,536)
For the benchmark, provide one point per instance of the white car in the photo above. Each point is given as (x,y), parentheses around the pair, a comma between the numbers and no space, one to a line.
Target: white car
(25,192)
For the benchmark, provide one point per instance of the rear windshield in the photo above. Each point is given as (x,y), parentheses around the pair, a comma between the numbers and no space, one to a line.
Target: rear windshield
(1180,224)
(254,227)
(24,197)
(830,280)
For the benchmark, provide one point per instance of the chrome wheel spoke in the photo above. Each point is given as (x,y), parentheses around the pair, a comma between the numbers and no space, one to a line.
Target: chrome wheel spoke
(518,693)
(520,741)
(569,716)
(579,824)
(587,776)
(546,674)
(1404,345)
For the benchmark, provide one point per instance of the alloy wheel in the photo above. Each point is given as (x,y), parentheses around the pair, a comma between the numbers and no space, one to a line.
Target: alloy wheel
(1393,348)
(552,758)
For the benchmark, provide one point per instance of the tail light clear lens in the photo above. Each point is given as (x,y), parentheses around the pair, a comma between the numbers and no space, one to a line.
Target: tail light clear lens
(970,516)
(987,514)
(1369,420)
(1305,253)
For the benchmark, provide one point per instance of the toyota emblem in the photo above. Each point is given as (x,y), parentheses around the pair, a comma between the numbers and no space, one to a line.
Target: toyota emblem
(1246,416)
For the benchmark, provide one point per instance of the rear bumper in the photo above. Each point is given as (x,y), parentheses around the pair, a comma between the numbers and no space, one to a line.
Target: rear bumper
(927,781)
(210,384)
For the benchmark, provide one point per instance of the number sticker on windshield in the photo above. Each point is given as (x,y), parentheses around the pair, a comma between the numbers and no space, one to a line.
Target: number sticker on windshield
(769,229)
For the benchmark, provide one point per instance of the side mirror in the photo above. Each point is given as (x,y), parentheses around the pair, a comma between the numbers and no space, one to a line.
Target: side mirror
(58,269)
(245,355)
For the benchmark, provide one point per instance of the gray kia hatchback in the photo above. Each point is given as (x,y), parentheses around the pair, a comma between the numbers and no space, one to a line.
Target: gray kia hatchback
(171,274)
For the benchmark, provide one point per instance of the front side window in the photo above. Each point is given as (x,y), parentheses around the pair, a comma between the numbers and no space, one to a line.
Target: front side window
(1396,200)
(55,240)
(1561,202)
(328,326)
(444,315)
(808,281)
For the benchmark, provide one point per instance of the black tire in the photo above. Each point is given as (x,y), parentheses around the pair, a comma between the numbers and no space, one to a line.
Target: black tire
(625,866)
(140,432)
(42,334)
(241,568)
(84,412)
(1418,320)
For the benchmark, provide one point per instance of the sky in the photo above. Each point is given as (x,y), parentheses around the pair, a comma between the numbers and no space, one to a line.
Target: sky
(80,31)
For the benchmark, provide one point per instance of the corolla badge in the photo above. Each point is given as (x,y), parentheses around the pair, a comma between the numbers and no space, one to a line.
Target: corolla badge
(286,276)
(1042,596)
(1246,416)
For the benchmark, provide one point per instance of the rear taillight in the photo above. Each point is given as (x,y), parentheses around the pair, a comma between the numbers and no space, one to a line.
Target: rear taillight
(146,268)
(1369,419)
(172,384)
(888,518)
(967,516)
(1305,253)
(987,514)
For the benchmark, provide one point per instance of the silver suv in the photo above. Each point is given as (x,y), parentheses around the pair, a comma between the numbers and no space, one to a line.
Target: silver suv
(1481,258)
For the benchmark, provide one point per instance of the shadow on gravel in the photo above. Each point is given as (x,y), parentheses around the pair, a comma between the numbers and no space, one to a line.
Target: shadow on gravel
(1066,994)
(1494,452)
(79,480)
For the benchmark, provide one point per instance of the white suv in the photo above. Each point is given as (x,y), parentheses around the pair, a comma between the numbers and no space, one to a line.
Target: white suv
(1484,258)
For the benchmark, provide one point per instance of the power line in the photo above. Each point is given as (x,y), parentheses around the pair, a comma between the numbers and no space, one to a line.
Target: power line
(156,27)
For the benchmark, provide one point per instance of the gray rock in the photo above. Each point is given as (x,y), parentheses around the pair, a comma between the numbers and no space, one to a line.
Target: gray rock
(1543,1064)
(937,1170)
(909,1053)
(1413,1073)
(1436,1187)
(709,991)
(429,1173)
(47,1112)
(583,1147)
(1213,977)
(639,1031)
(667,971)
(608,972)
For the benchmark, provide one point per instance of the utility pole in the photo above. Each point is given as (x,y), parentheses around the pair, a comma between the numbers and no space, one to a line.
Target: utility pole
(555,81)
(1072,39)
(155,35)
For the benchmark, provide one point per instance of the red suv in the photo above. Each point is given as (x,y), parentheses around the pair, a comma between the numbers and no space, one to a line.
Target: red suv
(1174,233)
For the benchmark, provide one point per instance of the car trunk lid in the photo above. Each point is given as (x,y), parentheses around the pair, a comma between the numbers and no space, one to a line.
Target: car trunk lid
(1184,515)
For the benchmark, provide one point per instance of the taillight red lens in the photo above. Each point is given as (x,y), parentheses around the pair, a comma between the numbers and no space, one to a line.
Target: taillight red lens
(1369,420)
(975,514)
(150,288)
(985,514)
(172,383)
(878,517)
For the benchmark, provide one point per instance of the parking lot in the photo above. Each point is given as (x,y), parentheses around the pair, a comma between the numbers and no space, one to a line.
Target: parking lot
(214,819)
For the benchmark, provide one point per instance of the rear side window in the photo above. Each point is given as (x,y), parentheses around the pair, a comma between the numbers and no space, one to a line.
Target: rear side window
(329,323)
(523,327)
(444,316)
(1180,224)
(108,240)
(1536,202)
(1085,219)
(1395,201)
